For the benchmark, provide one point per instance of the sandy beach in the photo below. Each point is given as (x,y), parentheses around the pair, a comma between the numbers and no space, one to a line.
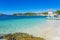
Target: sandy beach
(51,30)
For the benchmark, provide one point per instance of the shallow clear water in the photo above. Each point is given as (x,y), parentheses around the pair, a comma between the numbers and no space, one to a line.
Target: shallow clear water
(35,25)
(12,24)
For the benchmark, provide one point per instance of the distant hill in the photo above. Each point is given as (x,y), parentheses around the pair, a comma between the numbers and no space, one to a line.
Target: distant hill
(25,14)
(2,14)
(17,14)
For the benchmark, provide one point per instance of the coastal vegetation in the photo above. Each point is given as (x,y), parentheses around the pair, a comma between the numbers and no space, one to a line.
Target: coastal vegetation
(25,14)
(21,36)
(45,13)
(17,14)
(58,12)
(38,14)
(32,14)
(1,14)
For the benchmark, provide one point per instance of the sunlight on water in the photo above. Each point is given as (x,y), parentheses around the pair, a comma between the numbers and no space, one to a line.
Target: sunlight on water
(48,29)
(19,25)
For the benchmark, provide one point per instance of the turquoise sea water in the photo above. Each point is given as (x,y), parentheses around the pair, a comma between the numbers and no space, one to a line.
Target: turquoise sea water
(12,24)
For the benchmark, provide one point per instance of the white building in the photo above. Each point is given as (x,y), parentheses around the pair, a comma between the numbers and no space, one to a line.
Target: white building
(50,13)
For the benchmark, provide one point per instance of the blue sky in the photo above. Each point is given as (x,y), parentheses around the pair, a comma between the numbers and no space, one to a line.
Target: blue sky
(12,6)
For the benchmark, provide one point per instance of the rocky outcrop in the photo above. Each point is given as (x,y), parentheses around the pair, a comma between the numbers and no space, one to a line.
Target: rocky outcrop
(21,36)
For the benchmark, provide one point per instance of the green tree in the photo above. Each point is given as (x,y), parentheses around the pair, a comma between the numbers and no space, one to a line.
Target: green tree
(45,13)
(17,14)
(30,14)
(14,14)
(58,12)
